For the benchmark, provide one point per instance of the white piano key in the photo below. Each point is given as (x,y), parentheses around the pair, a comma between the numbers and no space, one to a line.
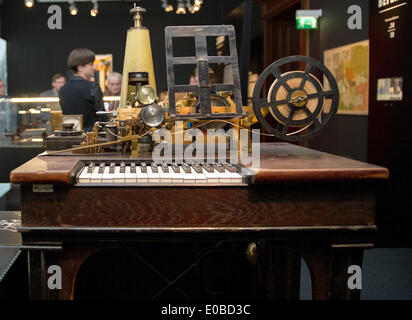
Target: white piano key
(199,177)
(129,177)
(141,177)
(177,178)
(211,177)
(153,176)
(96,177)
(234,177)
(189,177)
(223,177)
(107,176)
(117,176)
(165,177)
(84,176)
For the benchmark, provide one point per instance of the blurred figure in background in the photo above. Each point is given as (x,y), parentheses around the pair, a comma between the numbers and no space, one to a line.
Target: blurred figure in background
(58,81)
(79,95)
(113,86)
(2,89)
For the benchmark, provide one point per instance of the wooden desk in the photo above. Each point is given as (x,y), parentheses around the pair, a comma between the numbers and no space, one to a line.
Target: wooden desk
(316,204)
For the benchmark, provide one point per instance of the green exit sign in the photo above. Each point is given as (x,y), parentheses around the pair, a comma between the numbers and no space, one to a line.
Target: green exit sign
(306,23)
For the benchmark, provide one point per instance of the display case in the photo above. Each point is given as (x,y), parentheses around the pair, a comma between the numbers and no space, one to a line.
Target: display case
(26,122)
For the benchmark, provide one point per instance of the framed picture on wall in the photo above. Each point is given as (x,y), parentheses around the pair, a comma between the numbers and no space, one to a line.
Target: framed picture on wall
(104,63)
(390,89)
(349,65)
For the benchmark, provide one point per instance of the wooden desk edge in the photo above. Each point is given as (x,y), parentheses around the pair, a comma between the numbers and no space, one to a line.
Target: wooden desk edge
(60,172)
(330,175)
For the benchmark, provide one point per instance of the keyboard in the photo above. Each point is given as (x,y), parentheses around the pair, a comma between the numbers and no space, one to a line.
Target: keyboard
(141,173)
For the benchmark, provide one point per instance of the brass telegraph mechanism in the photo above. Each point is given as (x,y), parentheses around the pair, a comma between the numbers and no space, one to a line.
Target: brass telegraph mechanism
(138,83)
(298,102)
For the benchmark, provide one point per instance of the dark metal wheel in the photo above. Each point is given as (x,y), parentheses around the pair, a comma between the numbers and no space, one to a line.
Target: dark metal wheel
(296,99)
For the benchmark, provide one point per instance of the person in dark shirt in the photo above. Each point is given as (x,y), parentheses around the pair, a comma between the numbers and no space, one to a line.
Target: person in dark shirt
(79,95)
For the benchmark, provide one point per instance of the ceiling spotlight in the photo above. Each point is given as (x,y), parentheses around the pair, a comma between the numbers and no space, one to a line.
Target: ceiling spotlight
(189,6)
(95,10)
(180,7)
(28,3)
(72,8)
(165,5)
(198,2)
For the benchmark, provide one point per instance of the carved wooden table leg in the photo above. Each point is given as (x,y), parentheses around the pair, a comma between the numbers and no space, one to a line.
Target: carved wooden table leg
(343,258)
(279,270)
(69,260)
(329,271)
(38,264)
(73,256)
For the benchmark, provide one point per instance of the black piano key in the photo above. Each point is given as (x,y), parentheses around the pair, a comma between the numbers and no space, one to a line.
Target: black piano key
(186,168)
(133,167)
(112,167)
(90,167)
(143,167)
(101,167)
(165,168)
(219,167)
(154,168)
(208,167)
(197,168)
(175,167)
(230,167)
(122,167)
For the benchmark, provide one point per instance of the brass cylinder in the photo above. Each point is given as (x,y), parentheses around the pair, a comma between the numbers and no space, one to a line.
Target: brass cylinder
(137,58)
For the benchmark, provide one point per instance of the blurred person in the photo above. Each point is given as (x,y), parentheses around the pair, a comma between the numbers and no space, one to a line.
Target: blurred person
(2,89)
(113,86)
(194,81)
(79,95)
(58,81)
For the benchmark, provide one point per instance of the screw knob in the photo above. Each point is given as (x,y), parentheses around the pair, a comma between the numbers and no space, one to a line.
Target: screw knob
(138,16)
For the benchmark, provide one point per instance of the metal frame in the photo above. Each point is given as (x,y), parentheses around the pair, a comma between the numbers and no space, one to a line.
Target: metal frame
(202,60)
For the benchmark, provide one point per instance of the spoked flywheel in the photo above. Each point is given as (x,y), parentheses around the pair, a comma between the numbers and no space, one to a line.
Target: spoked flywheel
(296,99)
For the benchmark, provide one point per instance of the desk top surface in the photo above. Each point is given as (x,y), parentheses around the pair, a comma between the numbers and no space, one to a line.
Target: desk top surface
(279,162)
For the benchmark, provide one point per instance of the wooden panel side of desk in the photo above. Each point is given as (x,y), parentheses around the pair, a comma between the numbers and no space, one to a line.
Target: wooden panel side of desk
(253,207)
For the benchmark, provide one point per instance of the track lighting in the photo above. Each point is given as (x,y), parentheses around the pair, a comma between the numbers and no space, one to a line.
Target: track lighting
(189,6)
(180,7)
(28,3)
(192,6)
(95,10)
(166,6)
(72,8)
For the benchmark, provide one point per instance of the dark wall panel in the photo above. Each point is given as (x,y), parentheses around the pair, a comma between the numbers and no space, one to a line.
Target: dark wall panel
(390,131)
(346,135)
